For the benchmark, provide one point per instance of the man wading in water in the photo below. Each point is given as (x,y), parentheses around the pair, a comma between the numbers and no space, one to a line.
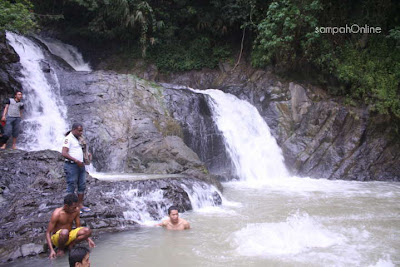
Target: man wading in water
(59,231)
(174,222)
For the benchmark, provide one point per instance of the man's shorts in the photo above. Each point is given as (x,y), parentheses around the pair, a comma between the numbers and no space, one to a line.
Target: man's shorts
(12,127)
(72,236)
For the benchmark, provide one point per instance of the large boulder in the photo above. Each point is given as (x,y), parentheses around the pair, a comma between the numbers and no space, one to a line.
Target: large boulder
(127,124)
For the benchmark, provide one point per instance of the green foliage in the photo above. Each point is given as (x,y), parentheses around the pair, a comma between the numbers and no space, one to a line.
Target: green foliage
(196,54)
(372,75)
(286,35)
(16,16)
(179,35)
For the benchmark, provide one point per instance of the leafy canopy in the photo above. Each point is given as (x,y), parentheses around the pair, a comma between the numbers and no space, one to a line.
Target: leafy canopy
(16,16)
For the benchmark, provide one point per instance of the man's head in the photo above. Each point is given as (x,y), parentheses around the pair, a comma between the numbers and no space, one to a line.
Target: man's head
(18,95)
(173,214)
(71,203)
(77,129)
(79,257)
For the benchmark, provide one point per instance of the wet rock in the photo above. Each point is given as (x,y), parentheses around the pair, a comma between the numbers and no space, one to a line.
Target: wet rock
(9,70)
(31,249)
(319,136)
(127,124)
(199,130)
(36,186)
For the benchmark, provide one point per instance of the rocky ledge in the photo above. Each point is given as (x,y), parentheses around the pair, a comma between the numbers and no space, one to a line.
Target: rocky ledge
(33,185)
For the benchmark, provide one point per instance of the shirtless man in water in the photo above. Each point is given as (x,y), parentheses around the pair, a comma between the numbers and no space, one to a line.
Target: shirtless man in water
(174,222)
(60,232)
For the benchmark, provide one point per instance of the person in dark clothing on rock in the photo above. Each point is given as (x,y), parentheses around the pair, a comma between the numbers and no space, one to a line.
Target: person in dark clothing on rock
(3,137)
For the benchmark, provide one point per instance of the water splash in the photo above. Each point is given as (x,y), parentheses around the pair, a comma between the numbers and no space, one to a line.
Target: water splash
(299,233)
(44,122)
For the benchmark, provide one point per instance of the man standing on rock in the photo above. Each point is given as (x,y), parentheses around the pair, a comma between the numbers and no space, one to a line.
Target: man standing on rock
(174,222)
(74,165)
(59,231)
(12,116)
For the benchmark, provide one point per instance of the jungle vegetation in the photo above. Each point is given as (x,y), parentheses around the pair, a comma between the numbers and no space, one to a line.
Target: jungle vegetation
(294,37)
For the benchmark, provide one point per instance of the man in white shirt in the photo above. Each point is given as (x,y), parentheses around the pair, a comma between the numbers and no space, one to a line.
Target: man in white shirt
(74,166)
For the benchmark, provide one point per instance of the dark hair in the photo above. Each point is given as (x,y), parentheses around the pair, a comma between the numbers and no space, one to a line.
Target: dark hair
(76,254)
(16,92)
(171,209)
(76,125)
(70,198)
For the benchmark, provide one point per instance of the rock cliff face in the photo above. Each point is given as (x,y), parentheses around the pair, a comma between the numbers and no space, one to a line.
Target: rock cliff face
(319,136)
(9,70)
(199,130)
(128,125)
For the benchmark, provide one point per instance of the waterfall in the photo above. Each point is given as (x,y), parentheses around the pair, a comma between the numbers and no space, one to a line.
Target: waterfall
(67,52)
(255,154)
(44,115)
(149,207)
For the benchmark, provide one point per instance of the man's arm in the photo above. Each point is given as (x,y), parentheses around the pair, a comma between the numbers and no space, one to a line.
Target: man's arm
(163,224)
(66,155)
(3,118)
(77,220)
(186,225)
(91,243)
(50,229)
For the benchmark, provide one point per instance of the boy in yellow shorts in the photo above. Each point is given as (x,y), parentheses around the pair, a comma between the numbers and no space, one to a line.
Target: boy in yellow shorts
(59,231)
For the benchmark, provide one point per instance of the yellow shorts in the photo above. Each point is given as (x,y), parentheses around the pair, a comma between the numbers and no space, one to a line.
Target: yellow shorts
(72,236)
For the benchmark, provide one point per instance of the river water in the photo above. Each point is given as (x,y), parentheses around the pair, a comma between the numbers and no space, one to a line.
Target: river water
(308,223)
(267,217)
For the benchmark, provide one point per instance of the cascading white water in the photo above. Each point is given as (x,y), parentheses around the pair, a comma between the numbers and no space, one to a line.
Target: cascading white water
(44,121)
(253,150)
(143,207)
(201,195)
(67,52)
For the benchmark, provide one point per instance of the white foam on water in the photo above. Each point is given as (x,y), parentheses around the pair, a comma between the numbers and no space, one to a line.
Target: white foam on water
(219,211)
(297,234)
(44,120)
(385,261)
(306,185)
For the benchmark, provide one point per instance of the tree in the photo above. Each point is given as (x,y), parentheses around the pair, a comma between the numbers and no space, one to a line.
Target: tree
(17,16)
